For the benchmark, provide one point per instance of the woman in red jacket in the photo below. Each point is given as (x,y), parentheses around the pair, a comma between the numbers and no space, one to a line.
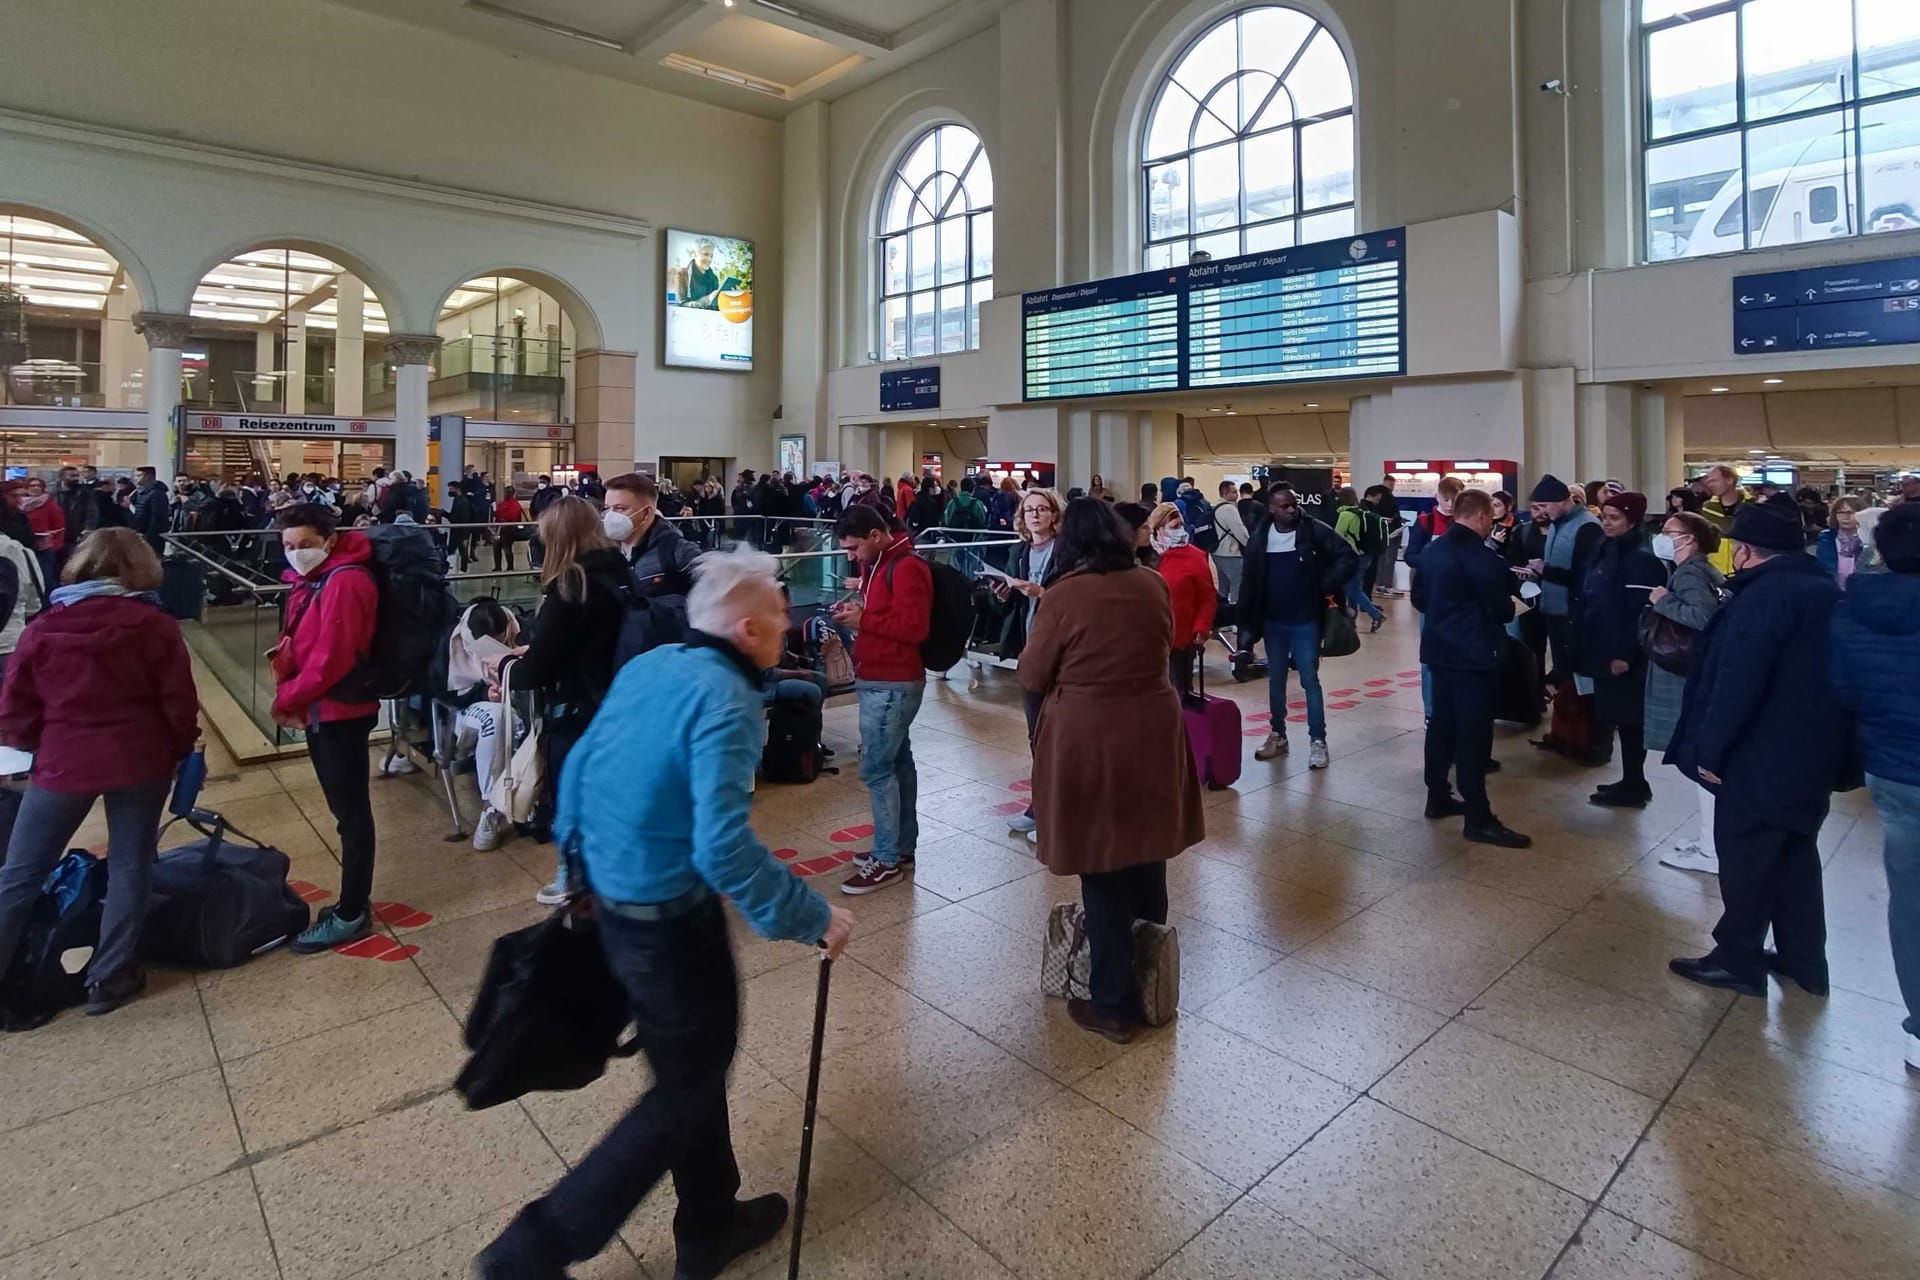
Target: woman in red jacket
(508,518)
(101,691)
(1189,574)
(49,526)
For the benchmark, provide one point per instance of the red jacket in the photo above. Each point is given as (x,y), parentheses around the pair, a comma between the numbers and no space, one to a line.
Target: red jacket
(49,526)
(507,510)
(899,613)
(101,691)
(329,628)
(903,498)
(1190,582)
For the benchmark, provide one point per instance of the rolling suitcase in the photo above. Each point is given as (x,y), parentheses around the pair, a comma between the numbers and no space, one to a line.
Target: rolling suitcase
(1213,731)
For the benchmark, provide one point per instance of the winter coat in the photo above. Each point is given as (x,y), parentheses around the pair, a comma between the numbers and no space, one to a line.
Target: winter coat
(32,597)
(49,525)
(1606,620)
(1875,669)
(327,631)
(1002,511)
(1465,592)
(925,511)
(1693,597)
(80,507)
(101,691)
(1013,638)
(1098,659)
(1759,710)
(1195,596)
(898,595)
(662,562)
(1324,555)
(151,518)
(569,660)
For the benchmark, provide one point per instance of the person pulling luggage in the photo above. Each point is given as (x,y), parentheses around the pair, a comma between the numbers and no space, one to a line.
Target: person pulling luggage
(665,936)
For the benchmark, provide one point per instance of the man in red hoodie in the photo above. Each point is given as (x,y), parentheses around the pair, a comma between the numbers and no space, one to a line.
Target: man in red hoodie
(331,612)
(891,616)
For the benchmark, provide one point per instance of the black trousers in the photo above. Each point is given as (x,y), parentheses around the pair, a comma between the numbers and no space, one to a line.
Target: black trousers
(1769,876)
(681,982)
(338,750)
(1180,671)
(1030,703)
(1460,736)
(1113,900)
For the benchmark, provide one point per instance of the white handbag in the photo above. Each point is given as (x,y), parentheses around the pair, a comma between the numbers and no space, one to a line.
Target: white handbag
(516,790)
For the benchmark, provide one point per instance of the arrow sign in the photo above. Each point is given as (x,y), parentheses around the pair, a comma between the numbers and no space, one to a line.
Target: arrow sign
(1812,294)
(1745,299)
(1746,342)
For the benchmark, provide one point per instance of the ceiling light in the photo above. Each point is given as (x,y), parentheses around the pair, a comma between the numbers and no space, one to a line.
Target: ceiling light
(1716,390)
(1773,382)
(1313,404)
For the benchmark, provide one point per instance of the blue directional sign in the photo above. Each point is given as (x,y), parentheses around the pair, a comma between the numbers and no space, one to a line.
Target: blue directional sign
(1853,304)
(910,388)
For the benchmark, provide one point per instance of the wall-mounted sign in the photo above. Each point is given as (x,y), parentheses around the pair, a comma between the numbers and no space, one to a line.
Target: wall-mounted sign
(250,424)
(709,301)
(1853,304)
(910,389)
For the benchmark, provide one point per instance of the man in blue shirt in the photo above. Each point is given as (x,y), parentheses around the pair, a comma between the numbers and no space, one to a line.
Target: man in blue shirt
(654,802)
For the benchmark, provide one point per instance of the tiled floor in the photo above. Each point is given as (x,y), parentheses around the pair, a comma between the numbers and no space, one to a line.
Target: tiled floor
(1398,1055)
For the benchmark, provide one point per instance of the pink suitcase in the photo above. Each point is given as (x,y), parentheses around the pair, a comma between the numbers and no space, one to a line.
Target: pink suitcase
(1213,731)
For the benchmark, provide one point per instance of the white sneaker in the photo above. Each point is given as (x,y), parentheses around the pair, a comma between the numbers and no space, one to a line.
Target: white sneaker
(1691,857)
(1033,838)
(552,895)
(1273,748)
(1022,822)
(491,831)
(1317,757)
(1913,1054)
(396,765)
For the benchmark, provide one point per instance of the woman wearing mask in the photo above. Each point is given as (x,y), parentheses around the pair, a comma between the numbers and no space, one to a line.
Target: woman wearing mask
(101,691)
(569,663)
(1112,807)
(1607,620)
(1189,574)
(49,525)
(1839,545)
(1690,599)
(1033,568)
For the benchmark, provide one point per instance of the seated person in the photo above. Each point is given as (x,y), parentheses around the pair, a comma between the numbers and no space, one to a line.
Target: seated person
(483,637)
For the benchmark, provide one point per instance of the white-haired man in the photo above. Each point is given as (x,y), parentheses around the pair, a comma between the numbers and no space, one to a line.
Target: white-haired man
(659,829)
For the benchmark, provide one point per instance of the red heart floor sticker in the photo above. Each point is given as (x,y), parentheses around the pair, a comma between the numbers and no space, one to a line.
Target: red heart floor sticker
(1296,706)
(1253,733)
(1375,684)
(1261,715)
(1020,784)
(824,863)
(400,916)
(309,892)
(1011,807)
(847,834)
(1342,706)
(1343,693)
(378,947)
(1380,693)
(1405,674)
(786,855)
(1299,719)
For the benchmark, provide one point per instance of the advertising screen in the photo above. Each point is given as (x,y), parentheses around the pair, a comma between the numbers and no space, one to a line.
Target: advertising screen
(709,301)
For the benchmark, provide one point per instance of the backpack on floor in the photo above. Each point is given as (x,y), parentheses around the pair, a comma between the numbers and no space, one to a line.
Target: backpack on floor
(792,754)
(417,610)
(950,622)
(49,971)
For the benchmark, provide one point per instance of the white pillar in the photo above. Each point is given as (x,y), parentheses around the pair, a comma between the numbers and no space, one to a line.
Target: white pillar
(166,336)
(412,356)
(350,348)
(296,379)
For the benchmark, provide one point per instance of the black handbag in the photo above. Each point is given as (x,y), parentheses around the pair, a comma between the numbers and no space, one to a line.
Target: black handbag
(1338,636)
(548,1015)
(1667,644)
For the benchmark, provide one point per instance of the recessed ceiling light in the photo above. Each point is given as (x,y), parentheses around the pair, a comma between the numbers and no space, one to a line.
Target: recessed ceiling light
(1773,382)
(1313,404)
(1716,390)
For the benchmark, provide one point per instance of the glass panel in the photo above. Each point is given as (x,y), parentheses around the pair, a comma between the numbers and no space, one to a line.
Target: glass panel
(1156,257)
(1269,168)
(1172,120)
(1255,86)
(1690,186)
(899,204)
(1224,245)
(1326,163)
(1796,54)
(923,335)
(893,268)
(1272,235)
(1321,83)
(957,145)
(1279,110)
(1690,77)
(982,264)
(893,329)
(1271,36)
(1211,60)
(1167,200)
(1889,47)
(953,319)
(978,293)
(1652,11)
(1326,226)
(1890,165)
(1209,128)
(953,250)
(1225,104)
(1216,187)
(920,262)
(1811,162)
(979,180)
(919,163)
(942,189)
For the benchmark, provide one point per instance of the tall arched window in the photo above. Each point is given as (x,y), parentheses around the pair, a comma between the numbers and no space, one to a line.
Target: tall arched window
(936,245)
(1249,145)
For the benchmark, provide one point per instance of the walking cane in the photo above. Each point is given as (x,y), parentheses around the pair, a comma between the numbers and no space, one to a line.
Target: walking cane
(813,1106)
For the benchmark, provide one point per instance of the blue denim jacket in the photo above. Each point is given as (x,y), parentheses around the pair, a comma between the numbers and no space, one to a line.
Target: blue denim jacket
(655,797)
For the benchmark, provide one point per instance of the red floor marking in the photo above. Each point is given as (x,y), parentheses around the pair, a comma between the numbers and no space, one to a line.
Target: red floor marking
(1375,684)
(1297,706)
(400,915)
(1299,719)
(822,864)
(1404,674)
(1343,693)
(1381,693)
(378,947)
(1011,806)
(399,953)
(309,892)
(1261,715)
(1409,684)
(1253,733)
(1021,785)
(786,855)
(1341,706)
(845,834)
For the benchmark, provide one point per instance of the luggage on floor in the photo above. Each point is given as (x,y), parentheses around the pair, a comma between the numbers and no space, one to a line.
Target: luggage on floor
(1213,731)
(1569,722)
(792,755)
(183,587)
(1066,964)
(1518,698)
(220,900)
(49,971)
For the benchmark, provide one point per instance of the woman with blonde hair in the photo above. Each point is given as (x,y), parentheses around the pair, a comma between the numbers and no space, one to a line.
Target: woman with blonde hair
(1840,545)
(1029,574)
(101,691)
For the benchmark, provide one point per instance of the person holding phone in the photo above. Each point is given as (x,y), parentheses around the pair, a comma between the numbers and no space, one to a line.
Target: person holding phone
(1617,589)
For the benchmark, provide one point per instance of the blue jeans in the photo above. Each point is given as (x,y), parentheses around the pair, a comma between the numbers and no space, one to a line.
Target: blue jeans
(1426,673)
(1899,806)
(1357,589)
(811,689)
(1298,643)
(887,709)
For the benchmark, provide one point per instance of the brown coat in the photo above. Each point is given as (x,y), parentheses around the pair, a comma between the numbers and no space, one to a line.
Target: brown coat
(1114,783)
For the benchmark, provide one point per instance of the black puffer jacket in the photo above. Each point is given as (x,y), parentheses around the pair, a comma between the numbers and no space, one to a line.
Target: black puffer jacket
(569,660)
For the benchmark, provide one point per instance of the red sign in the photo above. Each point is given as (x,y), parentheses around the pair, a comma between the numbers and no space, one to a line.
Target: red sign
(209,423)
(357,427)
(553,433)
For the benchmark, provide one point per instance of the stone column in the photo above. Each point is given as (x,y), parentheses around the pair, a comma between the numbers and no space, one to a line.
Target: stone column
(604,430)
(412,356)
(166,336)
(122,364)
(296,379)
(349,347)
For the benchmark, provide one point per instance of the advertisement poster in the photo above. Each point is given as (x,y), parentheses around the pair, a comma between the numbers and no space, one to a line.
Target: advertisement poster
(709,301)
(793,455)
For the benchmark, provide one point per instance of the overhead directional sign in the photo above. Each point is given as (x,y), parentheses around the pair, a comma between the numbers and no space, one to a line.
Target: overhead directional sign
(910,389)
(1853,304)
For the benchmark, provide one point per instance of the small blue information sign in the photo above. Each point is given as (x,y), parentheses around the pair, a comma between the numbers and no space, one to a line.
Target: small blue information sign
(1851,304)
(906,389)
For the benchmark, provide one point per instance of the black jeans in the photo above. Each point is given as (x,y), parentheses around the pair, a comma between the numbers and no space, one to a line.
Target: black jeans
(1460,736)
(338,750)
(1113,900)
(679,975)
(1769,876)
(1030,702)
(1633,755)
(1180,670)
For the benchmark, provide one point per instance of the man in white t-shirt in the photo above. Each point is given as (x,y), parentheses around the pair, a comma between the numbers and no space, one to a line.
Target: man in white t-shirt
(1228,556)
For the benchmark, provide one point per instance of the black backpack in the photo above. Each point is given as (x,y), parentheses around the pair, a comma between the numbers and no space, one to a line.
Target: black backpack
(49,971)
(950,622)
(1201,530)
(656,614)
(417,611)
(792,754)
(1373,533)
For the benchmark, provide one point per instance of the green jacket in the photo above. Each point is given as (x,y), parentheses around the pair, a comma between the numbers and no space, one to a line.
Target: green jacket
(1346,523)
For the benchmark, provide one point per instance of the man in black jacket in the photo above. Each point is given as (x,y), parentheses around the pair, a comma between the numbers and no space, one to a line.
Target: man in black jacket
(1760,727)
(151,513)
(1293,563)
(1465,592)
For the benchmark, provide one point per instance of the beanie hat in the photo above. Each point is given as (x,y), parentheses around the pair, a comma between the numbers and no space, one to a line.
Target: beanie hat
(1772,525)
(1550,489)
(1633,504)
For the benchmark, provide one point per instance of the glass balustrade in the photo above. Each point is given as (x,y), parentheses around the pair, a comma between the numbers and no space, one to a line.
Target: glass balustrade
(54,384)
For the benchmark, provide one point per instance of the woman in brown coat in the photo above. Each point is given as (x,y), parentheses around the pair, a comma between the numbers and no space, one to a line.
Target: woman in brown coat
(1114,786)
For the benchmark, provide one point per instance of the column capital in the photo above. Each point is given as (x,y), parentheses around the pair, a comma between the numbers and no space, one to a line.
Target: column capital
(412,348)
(162,330)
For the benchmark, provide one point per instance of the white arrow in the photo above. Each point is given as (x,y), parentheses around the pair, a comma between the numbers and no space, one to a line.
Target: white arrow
(1745,299)
(1810,339)
(1746,342)
(1811,294)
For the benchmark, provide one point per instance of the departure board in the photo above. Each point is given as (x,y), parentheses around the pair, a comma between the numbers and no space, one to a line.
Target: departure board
(1314,313)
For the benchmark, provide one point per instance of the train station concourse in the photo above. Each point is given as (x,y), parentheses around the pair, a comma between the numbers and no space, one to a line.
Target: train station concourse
(786,258)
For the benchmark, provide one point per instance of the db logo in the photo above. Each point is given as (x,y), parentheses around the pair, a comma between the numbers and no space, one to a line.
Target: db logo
(357,427)
(553,433)
(210,424)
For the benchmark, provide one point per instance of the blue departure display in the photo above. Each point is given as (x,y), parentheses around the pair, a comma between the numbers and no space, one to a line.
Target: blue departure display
(1851,304)
(1314,313)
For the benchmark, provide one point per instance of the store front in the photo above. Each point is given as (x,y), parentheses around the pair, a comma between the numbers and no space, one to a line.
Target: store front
(230,447)
(37,441)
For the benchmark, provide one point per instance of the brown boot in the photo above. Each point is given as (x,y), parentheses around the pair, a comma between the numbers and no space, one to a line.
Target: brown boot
(1086,1016)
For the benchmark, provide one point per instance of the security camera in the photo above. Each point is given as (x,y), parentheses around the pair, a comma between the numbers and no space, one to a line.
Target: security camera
(1551,86)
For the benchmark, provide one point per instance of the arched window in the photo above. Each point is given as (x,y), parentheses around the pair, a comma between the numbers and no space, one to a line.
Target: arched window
(936,245)
(1249,145)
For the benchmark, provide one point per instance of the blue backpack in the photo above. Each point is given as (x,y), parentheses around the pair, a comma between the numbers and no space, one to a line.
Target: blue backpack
(1197,514)
(49,972)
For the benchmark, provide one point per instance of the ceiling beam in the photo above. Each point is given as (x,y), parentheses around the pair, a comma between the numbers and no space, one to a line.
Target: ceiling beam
(674,28)
(797,17)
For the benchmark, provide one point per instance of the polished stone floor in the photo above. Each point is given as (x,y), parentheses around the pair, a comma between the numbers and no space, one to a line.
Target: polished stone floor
(1398,1055)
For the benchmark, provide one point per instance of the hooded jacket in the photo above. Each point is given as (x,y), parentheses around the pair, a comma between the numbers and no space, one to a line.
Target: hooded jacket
(1874,667)
(328,630)
(32,592)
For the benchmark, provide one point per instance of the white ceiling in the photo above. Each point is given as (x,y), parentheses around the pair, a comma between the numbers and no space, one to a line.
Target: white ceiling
(762,56)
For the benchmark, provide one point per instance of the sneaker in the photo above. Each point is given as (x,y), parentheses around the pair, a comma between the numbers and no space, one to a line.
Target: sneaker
(491,831)
(1022,822)
(395,765)
(1317,757)
(755,1222)
(1033,838)
(1692,857)
(554,895)
(115,991)
(1273,748)
(1378,619)
(332,930)
(869,876)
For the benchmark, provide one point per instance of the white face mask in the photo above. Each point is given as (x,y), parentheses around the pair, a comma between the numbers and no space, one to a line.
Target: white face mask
(306,559)
(1168,539)
(1663,546)
(618,524)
